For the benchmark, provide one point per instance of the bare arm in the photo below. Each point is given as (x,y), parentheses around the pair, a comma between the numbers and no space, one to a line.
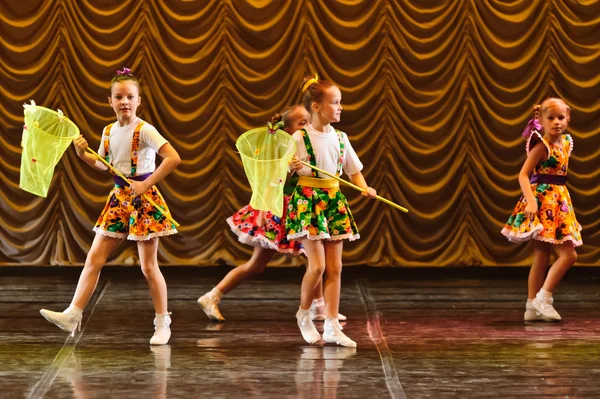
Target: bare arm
(537,154)
(297,166)
(81,144)
(170,161)
(359,180)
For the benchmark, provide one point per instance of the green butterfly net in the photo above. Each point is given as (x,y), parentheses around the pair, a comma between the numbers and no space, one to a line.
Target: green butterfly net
(46,136)
(265,154)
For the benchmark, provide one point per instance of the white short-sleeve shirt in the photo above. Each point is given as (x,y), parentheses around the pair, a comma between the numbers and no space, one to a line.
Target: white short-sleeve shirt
(120,139)
(326,146)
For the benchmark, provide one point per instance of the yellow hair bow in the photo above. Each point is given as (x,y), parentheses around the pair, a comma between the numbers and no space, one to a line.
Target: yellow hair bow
(310,81)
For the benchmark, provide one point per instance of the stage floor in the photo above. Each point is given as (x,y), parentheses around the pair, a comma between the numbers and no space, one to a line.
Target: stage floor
(433,333)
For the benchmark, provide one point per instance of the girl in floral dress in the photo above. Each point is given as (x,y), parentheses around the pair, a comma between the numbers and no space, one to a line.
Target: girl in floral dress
(545,214)
(266,233)
(318,213)
(130,145)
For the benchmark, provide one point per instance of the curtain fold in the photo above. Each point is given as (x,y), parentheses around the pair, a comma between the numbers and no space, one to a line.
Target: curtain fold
(435,97)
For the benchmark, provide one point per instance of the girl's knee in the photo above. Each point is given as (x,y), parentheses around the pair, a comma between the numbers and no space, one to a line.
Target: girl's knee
(333,270)
(254,268)
(568,257)
(572,257)
(94,262)
(150,271)
(316,269)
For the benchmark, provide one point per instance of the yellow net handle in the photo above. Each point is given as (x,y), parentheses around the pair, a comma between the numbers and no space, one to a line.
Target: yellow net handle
(115,171)
(354,186)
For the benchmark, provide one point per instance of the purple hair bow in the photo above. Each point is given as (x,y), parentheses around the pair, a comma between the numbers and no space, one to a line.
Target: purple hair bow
(125,71)
(532,125)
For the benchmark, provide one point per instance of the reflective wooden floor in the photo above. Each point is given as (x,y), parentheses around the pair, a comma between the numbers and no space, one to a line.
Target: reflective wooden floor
(453,333)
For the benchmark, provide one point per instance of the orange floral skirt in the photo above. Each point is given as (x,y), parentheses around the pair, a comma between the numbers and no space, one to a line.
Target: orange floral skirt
(554,223)
(131,216)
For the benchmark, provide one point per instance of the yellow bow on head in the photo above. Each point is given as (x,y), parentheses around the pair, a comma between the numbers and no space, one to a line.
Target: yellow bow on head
(310,81)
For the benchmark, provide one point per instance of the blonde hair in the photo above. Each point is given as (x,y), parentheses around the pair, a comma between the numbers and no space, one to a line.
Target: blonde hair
(548,103)
(284,116)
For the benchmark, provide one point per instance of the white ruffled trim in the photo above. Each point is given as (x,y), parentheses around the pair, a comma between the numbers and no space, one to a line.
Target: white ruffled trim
(541,138)
(107,233)
(153,235)
(322,236)
(132,237)
(557,242)
(571,145)
(513,236)
(534,235)
(260,240)
(350,237)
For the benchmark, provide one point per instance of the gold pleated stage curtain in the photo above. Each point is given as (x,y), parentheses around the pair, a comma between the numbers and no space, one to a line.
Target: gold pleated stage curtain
(435,95)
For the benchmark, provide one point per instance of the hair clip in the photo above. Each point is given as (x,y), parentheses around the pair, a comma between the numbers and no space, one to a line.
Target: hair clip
(125,71)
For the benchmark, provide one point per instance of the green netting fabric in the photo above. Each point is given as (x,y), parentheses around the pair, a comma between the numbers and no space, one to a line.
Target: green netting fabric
(265,154)
(46,136)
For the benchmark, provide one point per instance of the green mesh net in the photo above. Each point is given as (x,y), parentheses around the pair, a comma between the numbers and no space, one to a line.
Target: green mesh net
(265,154)
(46,136)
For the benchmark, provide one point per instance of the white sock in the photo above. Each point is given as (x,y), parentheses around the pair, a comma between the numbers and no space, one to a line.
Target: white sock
(215,293)
(303,312)
(529,302)
(545,294)
(74,309)
(319,301)
(331,321)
